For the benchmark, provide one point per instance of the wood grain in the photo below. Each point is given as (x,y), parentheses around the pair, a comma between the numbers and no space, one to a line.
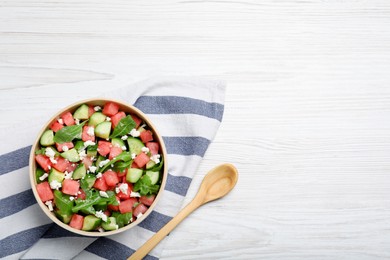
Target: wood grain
(306,119)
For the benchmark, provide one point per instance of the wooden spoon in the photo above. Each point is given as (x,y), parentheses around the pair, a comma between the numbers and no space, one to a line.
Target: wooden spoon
(216,184)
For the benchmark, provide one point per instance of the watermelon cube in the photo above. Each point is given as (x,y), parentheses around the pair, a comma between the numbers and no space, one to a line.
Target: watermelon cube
(147,200)
(43,161)
(141,160)
(85,136)
(116,118)
(44,191)
(76,221)
(137,120)
(100,184)
(60,147)
(114,152)
(61,165)
(56,126)
(104,148)
(68,119)
(91,110)
(153,147)
(110,109)
(70,187)
(127,205)
(146,136)
(111,178)
(140,209)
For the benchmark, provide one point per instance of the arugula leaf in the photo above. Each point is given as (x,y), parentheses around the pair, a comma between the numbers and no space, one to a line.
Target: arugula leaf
(145,187)
(124,127)
(41,151)
(158,166)
(68,133)
(122,219)
(124,156)
(92,198)
(122,165)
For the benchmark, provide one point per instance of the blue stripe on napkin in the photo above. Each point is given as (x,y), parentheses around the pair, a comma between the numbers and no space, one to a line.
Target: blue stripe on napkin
(16,203)
(178,184)
(22,240)
(186,145)
(155,221)
(179,105)
(110,249)
(14,160)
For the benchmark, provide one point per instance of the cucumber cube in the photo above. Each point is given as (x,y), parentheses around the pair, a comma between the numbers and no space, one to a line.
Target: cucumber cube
(133,175)
(96,118)
(91,222)
(71,155)
(118,142)
(110,224)
(150,164)
(154,176)
(135,145)
(64,217)
(103,129)
(47,138)
(81,112)
(55,175)
(79,172)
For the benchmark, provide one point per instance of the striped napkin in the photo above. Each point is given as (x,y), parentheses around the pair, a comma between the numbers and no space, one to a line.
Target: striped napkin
(186,111)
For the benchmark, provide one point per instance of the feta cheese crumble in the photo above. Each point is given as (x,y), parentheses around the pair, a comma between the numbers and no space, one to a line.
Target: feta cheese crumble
(88,143)
(65,148)
(91,131)
(97,108)
(133,155)
(53,161)
(124,137)
(123,148)
(102,163)
(71,198)
(123,188)
(82,154)
(108,118)
(92,168)
(68,175)
(139,215)
(55,185)
(49,204)
(99,175)
(135,194)
(155,158)
(49,152)
(134,133)
(44,176)
(77,121)
(59,120)
(103,194)
(145,149)
(100,214)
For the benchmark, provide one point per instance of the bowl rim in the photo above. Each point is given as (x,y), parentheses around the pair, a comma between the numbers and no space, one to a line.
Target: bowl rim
(123,107)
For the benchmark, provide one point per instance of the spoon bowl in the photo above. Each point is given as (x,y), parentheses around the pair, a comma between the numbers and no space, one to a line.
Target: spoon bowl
(218,182)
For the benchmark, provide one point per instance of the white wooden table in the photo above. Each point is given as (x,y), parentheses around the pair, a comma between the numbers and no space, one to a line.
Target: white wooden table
(307,115)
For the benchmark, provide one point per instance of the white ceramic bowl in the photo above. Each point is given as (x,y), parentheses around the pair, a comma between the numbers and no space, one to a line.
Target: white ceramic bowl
(71,108)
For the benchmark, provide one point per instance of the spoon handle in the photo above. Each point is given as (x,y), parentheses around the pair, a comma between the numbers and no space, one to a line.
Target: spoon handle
(160,235)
